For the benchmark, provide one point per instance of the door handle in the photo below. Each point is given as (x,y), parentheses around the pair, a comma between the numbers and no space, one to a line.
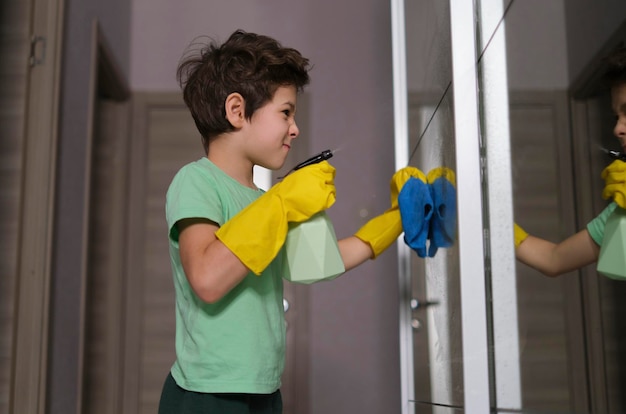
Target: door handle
(417,304)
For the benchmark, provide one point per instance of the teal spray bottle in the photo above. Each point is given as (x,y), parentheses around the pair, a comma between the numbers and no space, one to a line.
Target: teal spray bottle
(311,249)
(612,259)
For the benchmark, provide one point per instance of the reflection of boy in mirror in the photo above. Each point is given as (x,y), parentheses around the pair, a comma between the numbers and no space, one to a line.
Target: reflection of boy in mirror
(583,247)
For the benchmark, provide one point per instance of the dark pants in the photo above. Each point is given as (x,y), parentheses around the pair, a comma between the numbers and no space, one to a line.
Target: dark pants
(175,400)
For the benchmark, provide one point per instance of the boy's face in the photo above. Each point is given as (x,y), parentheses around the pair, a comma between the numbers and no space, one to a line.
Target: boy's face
(272,129)
(618,98)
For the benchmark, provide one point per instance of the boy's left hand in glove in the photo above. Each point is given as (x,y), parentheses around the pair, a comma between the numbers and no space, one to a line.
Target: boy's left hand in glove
(381,231)
(519,235)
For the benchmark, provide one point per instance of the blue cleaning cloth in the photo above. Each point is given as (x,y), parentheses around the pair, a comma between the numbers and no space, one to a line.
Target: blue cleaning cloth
(416,209)
(443,223)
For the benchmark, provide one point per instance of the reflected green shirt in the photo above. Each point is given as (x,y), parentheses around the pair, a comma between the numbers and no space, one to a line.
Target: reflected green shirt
(236,345)
(596,226)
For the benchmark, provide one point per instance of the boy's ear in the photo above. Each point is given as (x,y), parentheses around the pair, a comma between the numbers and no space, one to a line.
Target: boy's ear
(235,107)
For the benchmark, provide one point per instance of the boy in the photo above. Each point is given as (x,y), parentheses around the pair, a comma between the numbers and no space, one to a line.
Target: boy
(583,247)
(226,235)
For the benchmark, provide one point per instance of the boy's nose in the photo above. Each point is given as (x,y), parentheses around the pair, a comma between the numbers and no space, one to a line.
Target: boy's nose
(620,128)
(294,131)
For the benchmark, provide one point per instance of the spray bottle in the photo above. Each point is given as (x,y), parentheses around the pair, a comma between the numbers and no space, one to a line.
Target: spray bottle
(311,250)
(612,259)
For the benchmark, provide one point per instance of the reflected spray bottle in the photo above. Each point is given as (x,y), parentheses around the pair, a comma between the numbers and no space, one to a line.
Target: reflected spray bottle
(612,259)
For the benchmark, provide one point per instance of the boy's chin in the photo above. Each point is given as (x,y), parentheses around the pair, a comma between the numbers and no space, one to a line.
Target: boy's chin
(272,166)
(275,165)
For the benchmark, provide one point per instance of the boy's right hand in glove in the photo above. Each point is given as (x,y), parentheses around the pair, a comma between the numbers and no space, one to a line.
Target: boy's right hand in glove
(256,233)
(614,177)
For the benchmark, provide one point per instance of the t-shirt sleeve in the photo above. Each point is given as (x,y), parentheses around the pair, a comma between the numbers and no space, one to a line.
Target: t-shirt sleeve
(596,226)
(192,194)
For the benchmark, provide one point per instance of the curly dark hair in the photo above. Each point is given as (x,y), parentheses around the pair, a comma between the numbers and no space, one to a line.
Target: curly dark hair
(615,64)
(250,64)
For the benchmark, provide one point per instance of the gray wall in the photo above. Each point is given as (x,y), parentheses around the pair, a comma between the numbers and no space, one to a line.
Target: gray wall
(354,325)
(590,24)
(536,48)
(69,235)
(550,43)
(536,45)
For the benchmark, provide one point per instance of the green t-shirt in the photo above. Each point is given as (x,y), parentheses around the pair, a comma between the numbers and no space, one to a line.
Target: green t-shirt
(596,226)
(236,345)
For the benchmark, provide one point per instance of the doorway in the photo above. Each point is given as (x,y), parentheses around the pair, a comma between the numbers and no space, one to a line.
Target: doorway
(104,278)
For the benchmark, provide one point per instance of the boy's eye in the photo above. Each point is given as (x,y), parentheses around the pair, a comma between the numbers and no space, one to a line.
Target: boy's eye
(287,112)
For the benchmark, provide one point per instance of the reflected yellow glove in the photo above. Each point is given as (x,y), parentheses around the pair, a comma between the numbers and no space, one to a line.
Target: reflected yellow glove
(381,231)
(256,233)
(519,235)
(444,172)
(614,177)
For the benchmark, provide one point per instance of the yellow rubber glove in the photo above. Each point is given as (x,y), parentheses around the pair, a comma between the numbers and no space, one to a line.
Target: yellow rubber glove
(256,233)
(442,183)
(614,177)
(381,231)
(519,235)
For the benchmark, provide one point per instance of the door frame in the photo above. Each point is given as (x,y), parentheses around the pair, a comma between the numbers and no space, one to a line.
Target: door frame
(107,81)
(30,363)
